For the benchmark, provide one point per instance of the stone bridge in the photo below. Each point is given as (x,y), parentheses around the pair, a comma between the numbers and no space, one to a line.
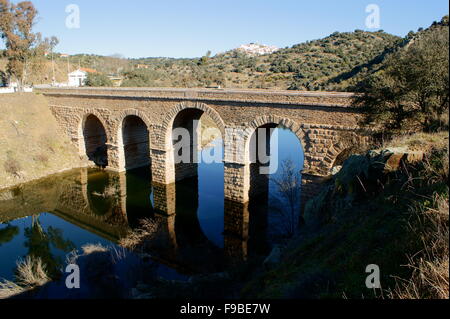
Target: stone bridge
(134,128)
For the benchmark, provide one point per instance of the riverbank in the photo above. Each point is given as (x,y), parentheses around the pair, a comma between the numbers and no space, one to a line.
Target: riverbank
(32,145)
(387,208)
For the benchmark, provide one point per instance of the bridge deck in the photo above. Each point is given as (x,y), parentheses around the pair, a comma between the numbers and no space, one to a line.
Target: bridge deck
(334,99)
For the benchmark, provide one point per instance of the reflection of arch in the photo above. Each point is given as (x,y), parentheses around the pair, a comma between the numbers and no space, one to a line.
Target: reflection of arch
(100,193)
(94,138)
(190,238)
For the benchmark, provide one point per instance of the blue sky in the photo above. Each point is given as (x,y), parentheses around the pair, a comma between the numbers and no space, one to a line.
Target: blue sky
(181,28)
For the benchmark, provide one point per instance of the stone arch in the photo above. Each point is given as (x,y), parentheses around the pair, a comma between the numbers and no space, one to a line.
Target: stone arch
(82,119)
(181,116)
(132,112)
(339,149)
(276,120)
(173,113)
(257,183)
(134,149)
(93,137)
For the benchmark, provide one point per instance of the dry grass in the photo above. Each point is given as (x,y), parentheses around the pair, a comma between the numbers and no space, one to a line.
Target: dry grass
(29,149)
(137,238)
(12,166)
(31,273)
(423,142)
(430,278)
(93,248)
(9,289)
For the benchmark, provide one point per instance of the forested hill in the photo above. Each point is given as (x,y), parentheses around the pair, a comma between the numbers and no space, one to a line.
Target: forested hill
(354,80)
(338,62)
(305,66)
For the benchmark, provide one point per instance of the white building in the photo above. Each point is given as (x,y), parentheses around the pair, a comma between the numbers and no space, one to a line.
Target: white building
(78,77)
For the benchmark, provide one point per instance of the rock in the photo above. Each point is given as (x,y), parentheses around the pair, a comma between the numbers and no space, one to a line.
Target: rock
(395,160)
(274,258)
(336,170)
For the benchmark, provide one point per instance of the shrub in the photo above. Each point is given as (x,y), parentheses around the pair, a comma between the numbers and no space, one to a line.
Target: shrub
(97,80)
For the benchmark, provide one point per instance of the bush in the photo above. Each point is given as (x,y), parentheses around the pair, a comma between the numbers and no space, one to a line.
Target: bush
(97,80)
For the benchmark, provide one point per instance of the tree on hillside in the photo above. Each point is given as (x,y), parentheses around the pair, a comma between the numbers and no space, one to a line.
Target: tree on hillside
(411,92)
(137,78)
(22,45)
(204,59)
(53,42)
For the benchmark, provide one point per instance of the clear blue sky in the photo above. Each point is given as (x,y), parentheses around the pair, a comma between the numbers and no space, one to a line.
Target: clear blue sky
(182,28)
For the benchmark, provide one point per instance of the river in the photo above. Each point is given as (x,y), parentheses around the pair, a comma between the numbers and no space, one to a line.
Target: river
(51,217)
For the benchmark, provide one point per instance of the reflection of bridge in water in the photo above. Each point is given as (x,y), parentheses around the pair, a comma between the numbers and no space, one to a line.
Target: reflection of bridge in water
(111,204)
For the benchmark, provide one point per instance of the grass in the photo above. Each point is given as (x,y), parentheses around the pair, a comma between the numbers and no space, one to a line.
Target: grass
(137,238)
(423,142)
(430,266)
(31,273)
(30,150)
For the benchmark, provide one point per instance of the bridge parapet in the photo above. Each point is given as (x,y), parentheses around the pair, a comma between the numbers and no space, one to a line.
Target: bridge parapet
(332,99)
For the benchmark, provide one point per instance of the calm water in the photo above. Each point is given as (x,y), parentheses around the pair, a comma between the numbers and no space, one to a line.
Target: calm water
(52,217)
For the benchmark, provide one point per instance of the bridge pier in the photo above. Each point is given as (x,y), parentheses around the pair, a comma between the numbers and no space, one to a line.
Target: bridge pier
(237,182)
(164,199)
(236,230)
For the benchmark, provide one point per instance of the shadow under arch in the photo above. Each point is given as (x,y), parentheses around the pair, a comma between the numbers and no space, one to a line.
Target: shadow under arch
(266,125)
(185,121)
(95,138)
(134,141)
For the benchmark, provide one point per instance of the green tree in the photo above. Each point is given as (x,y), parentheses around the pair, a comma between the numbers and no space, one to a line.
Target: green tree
(411,92)
(137,78)
(7,234)
(205,59)
(98,79)
(40,241)
(22,45)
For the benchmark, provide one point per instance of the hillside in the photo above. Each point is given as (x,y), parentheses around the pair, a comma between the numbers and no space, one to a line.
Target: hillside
(306,66)
(31,150)
(354,80)
(339,62)
(389,208)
